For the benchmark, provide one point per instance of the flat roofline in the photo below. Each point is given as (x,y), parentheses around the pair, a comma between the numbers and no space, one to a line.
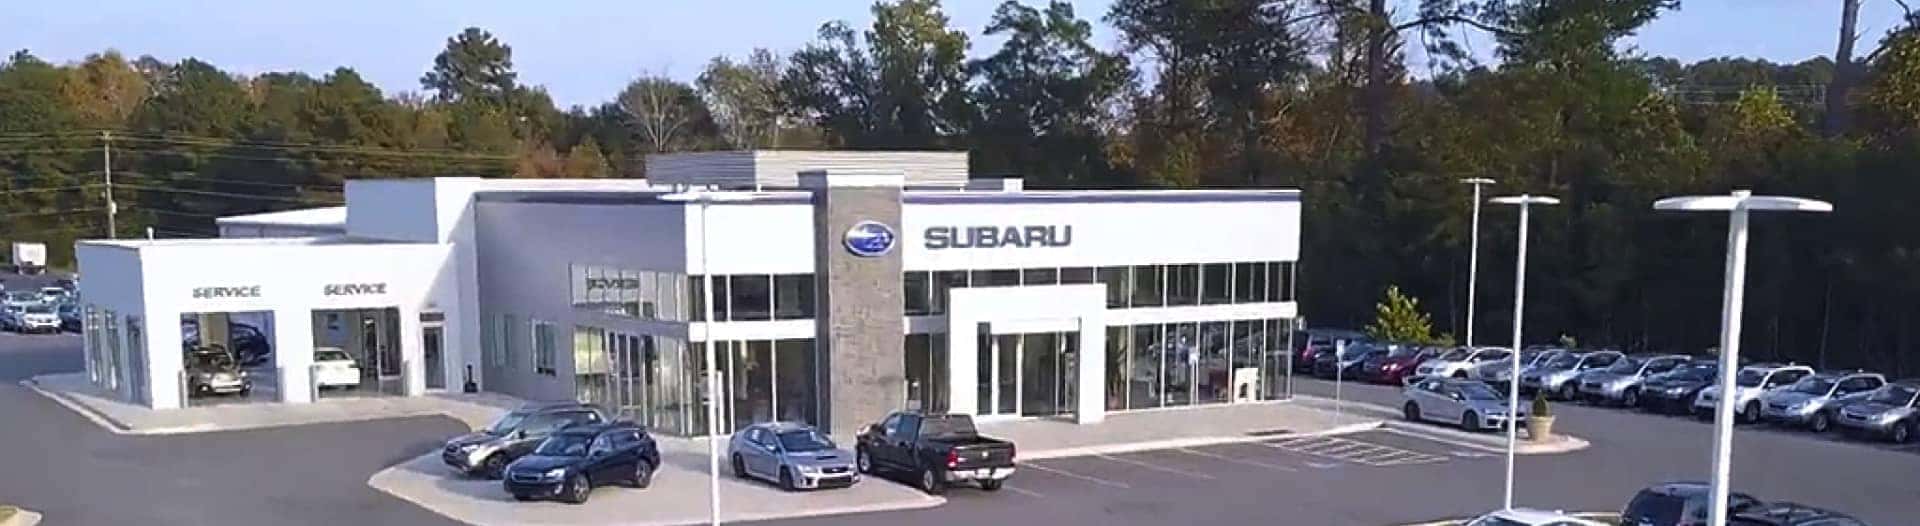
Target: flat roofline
(313,241)
(916,197)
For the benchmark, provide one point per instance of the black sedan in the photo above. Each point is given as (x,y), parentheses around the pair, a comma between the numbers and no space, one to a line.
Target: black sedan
(573,461)
(1673,391)
(1346,365)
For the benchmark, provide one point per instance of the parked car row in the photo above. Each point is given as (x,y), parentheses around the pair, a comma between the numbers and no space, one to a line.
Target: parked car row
(46,310)
(563,450)
(1679,504)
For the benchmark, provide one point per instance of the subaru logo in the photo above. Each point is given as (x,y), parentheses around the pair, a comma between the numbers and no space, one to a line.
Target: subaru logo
(869,239)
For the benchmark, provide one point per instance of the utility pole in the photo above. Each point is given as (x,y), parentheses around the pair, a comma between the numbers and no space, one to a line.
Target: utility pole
(106,165)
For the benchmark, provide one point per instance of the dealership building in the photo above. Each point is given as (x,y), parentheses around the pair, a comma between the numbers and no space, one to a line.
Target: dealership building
(840,286)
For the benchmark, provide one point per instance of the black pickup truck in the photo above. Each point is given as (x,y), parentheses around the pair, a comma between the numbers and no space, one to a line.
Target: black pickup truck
(940,449)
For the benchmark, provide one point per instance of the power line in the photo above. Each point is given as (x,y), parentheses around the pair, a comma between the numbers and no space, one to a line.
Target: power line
(47,150)
(310,147)
(175,178)
(53,213)
(43,190)
(210,193)
(292,159)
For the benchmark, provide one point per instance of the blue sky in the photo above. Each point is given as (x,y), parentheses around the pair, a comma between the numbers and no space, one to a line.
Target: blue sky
(583,51)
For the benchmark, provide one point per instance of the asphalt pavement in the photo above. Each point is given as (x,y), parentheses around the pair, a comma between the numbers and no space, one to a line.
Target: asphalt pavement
(1397,477)
(77,473)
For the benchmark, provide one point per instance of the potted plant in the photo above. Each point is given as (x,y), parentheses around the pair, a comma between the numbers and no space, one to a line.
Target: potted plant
(1540,420)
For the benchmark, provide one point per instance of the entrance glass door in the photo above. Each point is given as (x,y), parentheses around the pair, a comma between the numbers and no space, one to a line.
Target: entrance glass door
(1033,374)
(431,339)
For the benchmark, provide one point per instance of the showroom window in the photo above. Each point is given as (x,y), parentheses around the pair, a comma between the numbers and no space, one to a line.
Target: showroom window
(1039,276)
(1183,285)
(750,297)
(792,296)
(996,278)
(1076,276)
(917,287)
(510,332)
(543,348)
(1147,286)
(1119,286)
(1216,283)
(927,372)
(1249,282)
(696,298)
(943,282)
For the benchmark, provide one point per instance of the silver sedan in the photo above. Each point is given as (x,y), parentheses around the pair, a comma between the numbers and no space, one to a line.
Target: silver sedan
(1468,402)
(795,456)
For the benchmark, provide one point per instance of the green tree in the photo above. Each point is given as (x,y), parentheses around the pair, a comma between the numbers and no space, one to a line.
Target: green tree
(745,99)
(104,90)
(907,88)
(666,115)
(474,67)
(1398,318)
(1044,98)
(584,161)
(196,98)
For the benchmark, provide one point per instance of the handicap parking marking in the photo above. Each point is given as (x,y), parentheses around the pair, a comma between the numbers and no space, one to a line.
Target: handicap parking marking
(1241,461)
(1155,467)
(1029,493)
(1076,476)
(1355,451)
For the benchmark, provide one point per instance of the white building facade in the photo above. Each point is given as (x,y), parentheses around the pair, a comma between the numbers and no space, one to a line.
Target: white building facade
(994,301)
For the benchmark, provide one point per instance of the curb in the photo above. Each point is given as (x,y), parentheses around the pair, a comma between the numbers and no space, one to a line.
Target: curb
(1589,515)
(121,428)
(98,418)
(1131,447)
(1493,443)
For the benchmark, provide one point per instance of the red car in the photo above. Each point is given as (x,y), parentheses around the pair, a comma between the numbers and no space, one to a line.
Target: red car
(1311,342)
(1395,367)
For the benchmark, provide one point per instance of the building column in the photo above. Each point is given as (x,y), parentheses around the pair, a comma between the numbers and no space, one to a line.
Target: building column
(1091,399)
(963,374)
(164,360)
(293,354)
(413,357)
(858,302)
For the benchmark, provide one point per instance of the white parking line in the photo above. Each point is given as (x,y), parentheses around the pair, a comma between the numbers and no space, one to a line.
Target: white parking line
(1072,475)
(1028,493)
(1157,467)
(1224,458)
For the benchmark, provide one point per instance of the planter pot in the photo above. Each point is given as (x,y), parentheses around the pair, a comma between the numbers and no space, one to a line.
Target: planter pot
(1539,428)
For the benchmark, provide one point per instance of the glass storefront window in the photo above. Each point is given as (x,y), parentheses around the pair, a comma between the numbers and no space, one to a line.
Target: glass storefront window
(917,288)
(750,297)
(996,278)
(1182,353)
(1076,276)
(1213,383)
(592,381)
(794,394)
(944,281)
(1039,276)
(1119,350)
(543,348)
(1147,286)
(1183,285)
(722,308)
(1146,382)
(1249,282)
(696,298)
(793,296)
(926,372)
(1216,281)
(1247,350)
(1277,370)
(1119,286)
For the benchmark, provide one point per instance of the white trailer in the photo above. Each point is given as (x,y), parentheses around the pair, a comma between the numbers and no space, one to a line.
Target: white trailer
(29,258)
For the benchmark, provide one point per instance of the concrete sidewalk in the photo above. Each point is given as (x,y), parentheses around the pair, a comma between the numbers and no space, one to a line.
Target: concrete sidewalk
(1170,428)
(75,392)
(1392,421)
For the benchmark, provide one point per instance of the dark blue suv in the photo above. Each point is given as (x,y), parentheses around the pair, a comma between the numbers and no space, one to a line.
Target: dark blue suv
(574,460)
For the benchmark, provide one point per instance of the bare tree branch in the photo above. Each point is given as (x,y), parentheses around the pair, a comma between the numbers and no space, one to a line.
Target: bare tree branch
(1454,19)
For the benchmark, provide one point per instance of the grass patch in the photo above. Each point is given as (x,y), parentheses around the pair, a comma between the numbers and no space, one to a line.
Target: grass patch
(7,512)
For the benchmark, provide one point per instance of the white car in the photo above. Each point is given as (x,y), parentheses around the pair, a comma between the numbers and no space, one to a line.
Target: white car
(39,318)
(333,367)
(1530,517)
(54,295)
(1751,382)
(1459,363)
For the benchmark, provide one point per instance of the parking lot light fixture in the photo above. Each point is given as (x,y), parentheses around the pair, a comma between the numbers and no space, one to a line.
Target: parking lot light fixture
(1736,205)
(706,198)
(1525,202)
(1473,252)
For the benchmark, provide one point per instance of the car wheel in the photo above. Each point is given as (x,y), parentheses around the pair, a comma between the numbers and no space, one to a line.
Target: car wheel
(786,480)
(1751,413)
(1470,421)
(1820,422)
(1460,375)
(991,484)
(1566,392)
(642,474)
(1411,411)
(577,489)
(1631,398)
(495,466)
(1902,433)
(862,461)
(739,467)
(930,482)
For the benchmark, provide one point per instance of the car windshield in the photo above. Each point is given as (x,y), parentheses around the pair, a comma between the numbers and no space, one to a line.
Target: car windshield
(1566,361)
(1403,351)
(40,309)
(23,296)
(1495,521)
(804,440)
(1893,394)
(211,361)
(331,356)
(1652,508)
(564,446)
(1814,385)
(1750,378)
(506,423)
(1454,355)
(1478,392)
(69,309)
(1692,372)
(1625,366)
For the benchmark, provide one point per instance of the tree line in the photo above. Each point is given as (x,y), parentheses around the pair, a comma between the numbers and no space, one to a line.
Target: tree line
(1313,94)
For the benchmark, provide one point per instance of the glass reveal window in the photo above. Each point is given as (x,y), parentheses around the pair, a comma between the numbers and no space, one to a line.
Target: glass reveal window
(996,278)
(1119,286)
(1183,285)
(1039,276)
(1076,275)
(750,297)
(917,288)
(1148,286)
(1216,282)
(943,282)
(1249,282)
(543,348)
(793,296)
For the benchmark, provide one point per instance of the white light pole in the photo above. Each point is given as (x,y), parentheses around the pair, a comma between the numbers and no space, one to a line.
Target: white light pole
(1736,205)
(1525,202)
(1473,253)
(706,198)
